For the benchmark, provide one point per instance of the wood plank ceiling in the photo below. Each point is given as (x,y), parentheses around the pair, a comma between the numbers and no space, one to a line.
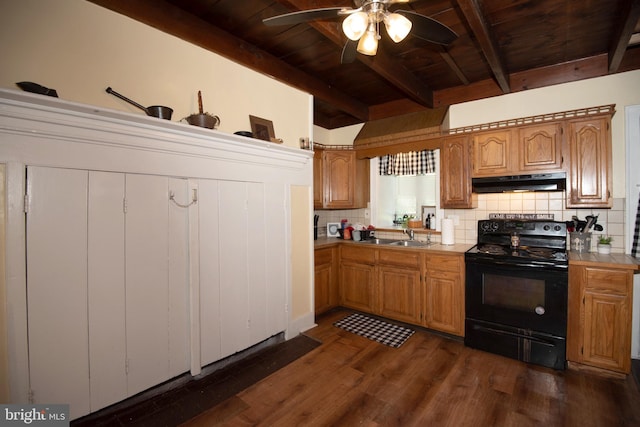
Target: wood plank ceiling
(503,46)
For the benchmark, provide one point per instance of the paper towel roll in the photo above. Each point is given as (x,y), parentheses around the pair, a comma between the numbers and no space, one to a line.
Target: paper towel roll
(447,232)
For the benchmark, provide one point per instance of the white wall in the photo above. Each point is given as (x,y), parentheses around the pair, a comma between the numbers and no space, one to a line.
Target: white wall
(79,49)
(341,136)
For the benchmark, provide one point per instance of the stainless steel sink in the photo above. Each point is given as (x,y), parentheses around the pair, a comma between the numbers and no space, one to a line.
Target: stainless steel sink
(378,241)
(407,243)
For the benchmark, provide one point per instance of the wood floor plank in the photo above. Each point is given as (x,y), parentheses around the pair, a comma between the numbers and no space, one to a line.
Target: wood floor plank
(429,381)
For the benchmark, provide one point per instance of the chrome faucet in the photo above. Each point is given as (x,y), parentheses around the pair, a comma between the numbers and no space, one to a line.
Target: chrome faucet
(409,232)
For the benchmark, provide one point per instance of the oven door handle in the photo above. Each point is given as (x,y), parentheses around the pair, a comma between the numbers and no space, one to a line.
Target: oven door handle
(514,334)
(537,264)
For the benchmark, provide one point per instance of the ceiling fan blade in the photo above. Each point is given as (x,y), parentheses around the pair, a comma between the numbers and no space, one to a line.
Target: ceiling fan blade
(428,29)
(305,16)
(349,52)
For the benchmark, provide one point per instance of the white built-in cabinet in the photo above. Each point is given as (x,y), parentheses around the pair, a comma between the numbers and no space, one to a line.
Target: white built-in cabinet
(144,249)
(106,285)
(108,279)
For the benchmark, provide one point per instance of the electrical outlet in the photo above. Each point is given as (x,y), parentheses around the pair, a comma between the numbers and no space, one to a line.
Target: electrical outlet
(366,213)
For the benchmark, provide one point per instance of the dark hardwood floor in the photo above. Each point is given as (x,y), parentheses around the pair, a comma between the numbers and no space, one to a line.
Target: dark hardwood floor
(348,380)
(429,381)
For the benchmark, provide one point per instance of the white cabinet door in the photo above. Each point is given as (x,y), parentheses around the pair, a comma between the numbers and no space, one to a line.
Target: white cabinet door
(252,263)
(156,272)
(276,257)
(209,245)
(147,286)
(267,260)
(257,248)
(233,240)
(106,287)
(57,287)
(108,291)
(178,265)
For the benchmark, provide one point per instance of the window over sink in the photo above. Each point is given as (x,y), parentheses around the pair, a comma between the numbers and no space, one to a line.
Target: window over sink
(393,196)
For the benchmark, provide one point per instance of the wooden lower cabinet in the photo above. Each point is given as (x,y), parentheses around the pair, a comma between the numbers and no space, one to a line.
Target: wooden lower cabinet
(444,293)
(399,285)
(358,278)
(389,283)
(325,279)
(599,317)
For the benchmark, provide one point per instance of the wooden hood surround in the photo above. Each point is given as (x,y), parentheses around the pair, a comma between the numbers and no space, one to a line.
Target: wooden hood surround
(409,132)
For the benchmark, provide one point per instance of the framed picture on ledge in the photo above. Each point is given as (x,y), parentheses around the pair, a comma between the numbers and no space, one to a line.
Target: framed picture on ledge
(262,128)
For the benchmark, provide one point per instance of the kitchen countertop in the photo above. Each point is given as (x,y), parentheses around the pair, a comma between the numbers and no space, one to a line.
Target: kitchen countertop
(586,258)
(612,260)
(434,247)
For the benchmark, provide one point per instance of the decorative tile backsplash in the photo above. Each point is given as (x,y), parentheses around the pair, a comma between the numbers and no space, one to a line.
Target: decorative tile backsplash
(612,220)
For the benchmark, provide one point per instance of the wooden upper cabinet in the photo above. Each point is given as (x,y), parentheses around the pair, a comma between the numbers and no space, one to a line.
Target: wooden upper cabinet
(492,153)
(523,150)
(589,179)
(340,180)
(317,180)
(540,147)
(455,177)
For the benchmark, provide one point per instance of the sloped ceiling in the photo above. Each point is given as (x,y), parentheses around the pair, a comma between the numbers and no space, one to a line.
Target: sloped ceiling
(502,46)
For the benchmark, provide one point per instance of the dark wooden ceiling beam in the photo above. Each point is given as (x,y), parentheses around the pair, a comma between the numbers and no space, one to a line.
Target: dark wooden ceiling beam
(382,63)
(628,21)
(168,18)
(480,27)
(586,68)
(453,65)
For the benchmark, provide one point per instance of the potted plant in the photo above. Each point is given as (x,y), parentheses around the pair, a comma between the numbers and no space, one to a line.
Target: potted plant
(604,244)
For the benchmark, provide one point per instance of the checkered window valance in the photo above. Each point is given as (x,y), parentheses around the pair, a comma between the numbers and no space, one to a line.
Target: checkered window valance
(411,163)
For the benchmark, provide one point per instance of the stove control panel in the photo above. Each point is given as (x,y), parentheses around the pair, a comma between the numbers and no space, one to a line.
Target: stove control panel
(522,227)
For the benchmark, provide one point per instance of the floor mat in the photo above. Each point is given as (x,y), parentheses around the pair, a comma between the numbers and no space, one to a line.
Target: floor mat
(376,330)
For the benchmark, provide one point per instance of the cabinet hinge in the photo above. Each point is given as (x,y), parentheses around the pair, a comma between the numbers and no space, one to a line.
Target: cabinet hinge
(30,396)
(26,203)
(581,350)
(124,205)
(126,366)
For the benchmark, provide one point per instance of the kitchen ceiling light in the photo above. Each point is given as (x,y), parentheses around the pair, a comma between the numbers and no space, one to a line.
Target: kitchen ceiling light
(355,25)
(397,26)
(368,44)
(362,25)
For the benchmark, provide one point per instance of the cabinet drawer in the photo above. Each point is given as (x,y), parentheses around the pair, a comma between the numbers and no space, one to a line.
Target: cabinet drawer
(444,262)
(323,256)
(440,274)
(607,280)
(401,257)
(356,253)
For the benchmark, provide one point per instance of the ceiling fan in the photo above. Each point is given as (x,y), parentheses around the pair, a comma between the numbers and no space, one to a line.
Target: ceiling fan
(362,25)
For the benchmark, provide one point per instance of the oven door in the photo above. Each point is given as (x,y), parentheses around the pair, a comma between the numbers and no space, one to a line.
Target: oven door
(520,296)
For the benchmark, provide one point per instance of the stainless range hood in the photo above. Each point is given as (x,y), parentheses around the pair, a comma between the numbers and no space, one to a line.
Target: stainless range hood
(536,182)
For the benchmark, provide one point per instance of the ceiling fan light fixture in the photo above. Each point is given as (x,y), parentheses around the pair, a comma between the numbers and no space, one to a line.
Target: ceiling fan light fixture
(355,25)
(368,44)
(398,27)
